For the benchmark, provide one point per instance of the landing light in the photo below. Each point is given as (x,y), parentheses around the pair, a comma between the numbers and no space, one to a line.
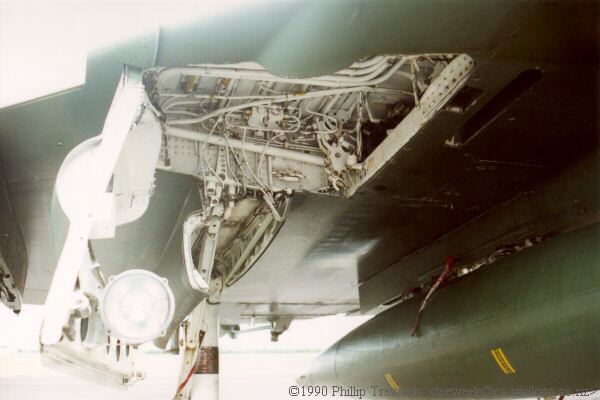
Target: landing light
(137,306)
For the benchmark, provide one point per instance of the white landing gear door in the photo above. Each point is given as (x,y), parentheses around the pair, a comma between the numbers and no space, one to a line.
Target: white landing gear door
(104,182)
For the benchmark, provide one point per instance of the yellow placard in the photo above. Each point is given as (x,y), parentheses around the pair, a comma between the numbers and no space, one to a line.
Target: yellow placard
(502,361)
(390,380)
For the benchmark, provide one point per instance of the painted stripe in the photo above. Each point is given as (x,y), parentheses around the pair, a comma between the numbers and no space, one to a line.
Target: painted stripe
(502,361)
(497,360)
(510,367)
(390,380)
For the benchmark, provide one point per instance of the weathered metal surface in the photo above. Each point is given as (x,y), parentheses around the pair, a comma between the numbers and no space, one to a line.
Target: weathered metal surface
(565,201)
(298,257)
(505,330)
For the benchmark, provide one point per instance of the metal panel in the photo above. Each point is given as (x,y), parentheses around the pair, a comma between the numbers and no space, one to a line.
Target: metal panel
(539,307)
(565,201)
(300,256)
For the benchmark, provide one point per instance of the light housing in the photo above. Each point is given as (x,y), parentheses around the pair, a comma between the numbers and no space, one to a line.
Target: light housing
(137,306)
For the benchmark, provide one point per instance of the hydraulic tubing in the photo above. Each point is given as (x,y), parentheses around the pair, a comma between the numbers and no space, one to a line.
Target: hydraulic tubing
(271,100)
(373,78)
(355,70)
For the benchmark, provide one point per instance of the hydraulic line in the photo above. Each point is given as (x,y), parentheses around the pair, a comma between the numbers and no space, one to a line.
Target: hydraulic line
(272,100)
(373,78)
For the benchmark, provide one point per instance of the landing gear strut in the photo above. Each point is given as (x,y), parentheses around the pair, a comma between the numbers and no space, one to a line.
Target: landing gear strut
(200,347)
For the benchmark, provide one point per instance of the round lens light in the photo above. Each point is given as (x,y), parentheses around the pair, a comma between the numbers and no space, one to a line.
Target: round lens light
(137,306)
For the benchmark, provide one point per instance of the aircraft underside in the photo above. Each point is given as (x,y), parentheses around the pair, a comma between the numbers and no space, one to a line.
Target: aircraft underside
(453,194)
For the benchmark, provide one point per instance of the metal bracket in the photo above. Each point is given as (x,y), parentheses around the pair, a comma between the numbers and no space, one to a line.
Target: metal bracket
(194,226)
